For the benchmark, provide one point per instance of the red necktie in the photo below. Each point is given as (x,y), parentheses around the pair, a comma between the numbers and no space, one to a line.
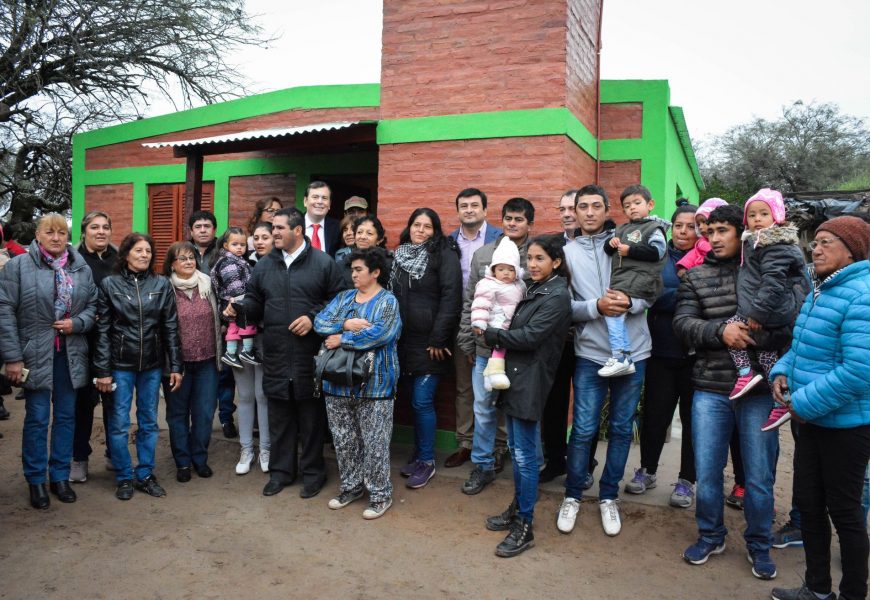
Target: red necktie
(315,238)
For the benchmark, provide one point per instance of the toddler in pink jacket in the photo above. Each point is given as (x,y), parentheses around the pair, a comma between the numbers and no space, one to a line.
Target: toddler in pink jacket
(495,299)
(696,255)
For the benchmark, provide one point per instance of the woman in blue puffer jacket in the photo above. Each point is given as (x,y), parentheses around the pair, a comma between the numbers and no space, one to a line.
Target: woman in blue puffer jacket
(826,371)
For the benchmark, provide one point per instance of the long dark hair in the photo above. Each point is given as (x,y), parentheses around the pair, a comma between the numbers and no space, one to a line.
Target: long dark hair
(554,245)
(259,207)
(438,241)
(130,240)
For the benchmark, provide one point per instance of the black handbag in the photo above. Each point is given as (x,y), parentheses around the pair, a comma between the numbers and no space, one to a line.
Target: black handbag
(343,366)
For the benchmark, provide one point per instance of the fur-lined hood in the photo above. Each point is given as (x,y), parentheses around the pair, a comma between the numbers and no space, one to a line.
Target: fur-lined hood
(777,234)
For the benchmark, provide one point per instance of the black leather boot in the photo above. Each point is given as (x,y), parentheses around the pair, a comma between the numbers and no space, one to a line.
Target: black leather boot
(520,539)
(63,491)
(39,496)
(503,521)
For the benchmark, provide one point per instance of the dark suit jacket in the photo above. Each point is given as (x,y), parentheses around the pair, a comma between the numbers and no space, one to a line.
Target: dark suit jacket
(332,235)
(492,232)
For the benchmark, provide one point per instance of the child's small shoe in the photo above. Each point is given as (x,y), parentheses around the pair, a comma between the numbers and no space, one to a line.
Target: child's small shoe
(232,360)
(249,357)
(487,383)
(744,385)
(780,415)
(617,368)
(500,381)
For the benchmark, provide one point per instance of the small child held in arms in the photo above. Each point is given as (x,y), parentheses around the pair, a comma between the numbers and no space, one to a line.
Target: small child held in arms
(495,299)
(641,247)
(771,285)
(229,277)
(696,255)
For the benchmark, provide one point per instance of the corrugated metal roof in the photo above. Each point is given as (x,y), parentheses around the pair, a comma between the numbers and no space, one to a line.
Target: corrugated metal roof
(253,134)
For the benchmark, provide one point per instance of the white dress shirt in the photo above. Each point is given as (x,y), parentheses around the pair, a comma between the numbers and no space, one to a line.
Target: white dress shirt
(289,258)
(321,233)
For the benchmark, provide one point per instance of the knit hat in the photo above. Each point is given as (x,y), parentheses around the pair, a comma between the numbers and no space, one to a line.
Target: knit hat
(506,253)
(708,206)
(773,199)
(853,232)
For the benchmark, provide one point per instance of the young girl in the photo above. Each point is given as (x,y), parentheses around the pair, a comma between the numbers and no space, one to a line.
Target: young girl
(229,277)
(495,299)
(771,284)
(696,255)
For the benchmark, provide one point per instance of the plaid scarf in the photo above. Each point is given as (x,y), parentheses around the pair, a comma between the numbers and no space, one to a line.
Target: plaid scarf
(413,258)
(63,287)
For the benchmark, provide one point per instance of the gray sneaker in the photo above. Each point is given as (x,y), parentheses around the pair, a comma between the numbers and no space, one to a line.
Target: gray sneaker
(478,480)
(641,482)
(788,535)
(377,509)
(683,495)
(78,471)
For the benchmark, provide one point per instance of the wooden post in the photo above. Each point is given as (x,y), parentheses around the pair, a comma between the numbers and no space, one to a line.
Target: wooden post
(192,186)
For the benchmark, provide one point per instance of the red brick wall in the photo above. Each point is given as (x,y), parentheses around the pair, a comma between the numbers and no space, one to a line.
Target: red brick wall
(582,60)
(246,190)
(132,154)
(615,177)
(117,202)
(620,121)
(472,56)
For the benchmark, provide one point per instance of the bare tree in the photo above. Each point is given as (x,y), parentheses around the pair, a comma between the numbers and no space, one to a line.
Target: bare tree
(69,65)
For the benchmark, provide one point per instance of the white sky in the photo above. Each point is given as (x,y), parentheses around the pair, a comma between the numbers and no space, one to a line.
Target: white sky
(727,62)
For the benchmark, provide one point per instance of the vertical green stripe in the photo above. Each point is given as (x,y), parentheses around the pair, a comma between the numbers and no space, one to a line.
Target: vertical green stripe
(222,202)
(140,206)
(302,181)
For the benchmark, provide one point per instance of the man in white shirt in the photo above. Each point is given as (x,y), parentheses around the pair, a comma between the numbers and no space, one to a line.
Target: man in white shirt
(321,229)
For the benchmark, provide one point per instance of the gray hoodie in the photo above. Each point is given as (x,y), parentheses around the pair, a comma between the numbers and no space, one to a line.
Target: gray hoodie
(590,268)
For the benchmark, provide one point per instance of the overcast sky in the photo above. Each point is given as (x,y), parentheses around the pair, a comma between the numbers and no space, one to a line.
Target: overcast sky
(727,62)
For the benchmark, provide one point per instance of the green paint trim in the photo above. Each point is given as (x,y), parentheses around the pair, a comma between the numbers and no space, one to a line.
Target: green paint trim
(222,202)
(444,440)
(622,149)
(78,190)
(679,120)
(302,181)
(500,124)
(306,97)
(140,206)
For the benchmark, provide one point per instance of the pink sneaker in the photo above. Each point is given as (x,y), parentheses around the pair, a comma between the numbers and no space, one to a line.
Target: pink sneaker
(778,416)
(744,385)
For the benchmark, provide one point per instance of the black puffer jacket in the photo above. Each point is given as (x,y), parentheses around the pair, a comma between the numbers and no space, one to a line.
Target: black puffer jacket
(707,298)
(137,327)
(430,309)
(276,297)
(773,280)
(534,345)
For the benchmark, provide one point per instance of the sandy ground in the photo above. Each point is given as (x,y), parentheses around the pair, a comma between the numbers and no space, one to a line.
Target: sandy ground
(220,538)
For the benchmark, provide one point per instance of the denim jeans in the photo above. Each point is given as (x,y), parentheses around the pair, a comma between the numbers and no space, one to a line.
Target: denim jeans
(226,392)
(423,402)
(617,335)
(190,413)
(485,419)
(590,391)
(714,417)
(525,441)
(147,386)
(37,412)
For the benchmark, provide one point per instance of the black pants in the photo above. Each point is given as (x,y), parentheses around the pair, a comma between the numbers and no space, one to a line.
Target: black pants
(828,483)
(668,381)
(87,399)
(297,429)
(737,459)
(554,426)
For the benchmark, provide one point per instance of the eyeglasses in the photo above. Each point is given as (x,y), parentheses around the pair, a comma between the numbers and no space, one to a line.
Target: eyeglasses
(185,258)
(271,211)
(824,243)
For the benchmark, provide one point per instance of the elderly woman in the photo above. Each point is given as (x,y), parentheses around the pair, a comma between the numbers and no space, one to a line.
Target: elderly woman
(190,409)
(47,304)
(264,211)
(137,333)
(823,378)
(361,418)
(371,235)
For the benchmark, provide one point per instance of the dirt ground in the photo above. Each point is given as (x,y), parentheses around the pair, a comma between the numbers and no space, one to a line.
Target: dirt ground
(220,538)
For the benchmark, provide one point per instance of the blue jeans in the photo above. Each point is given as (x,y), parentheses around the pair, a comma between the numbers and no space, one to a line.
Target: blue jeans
(423,402)
(590,391)
(37,411)
(617,334)
(147,386)
(714,417)
(524,439)
(190,413)
(226,393)
(485,419)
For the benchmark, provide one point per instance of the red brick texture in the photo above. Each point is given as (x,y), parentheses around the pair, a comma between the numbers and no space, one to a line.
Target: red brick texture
(615,177)
(620,121)
(117,202)
(245,191)
(581,81)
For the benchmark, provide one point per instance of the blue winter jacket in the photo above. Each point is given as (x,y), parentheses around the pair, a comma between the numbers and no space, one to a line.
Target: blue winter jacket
(828,364)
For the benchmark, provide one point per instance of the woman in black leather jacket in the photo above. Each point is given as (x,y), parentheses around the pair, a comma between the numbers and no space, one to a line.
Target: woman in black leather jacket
(137,333)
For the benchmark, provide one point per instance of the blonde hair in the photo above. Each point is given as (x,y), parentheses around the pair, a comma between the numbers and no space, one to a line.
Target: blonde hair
(53,220)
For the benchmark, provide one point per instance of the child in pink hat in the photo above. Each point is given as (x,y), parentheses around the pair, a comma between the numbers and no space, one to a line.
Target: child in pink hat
(696,255)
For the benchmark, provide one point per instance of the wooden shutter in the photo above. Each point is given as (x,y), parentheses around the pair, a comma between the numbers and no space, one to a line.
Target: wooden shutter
(166,214)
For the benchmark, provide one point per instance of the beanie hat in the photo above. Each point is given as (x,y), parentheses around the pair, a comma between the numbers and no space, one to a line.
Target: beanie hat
(506,253)
(773,199)
(853,232)
(708,206)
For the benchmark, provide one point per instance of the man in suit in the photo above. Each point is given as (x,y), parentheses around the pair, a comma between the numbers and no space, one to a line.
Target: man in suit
(319,228)
(472,233)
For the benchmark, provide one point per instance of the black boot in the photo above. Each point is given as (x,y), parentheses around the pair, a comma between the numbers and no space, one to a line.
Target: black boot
(520,539)
(4,414)
(63,491)
(503,521)
(39,496)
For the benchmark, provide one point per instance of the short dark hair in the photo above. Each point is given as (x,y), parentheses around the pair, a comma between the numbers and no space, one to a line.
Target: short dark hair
(572,192)
(374,258)
(730,214)
(519,205)
(295,218)
(130,240)
(199,215)
(638,189)
(683,207)
(376,223)
(468,193)
(262,225)
(173,252)
(316,185)
(94,214)
(591,190)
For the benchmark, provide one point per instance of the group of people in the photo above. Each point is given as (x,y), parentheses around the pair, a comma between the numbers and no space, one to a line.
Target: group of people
(724,319)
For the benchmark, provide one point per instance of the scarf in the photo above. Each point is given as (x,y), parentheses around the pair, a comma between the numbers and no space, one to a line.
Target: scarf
(198,280)
(63,287)
(413,258)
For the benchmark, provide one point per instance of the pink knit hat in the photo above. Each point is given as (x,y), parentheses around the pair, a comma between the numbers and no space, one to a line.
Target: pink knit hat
(773,199)
(708,206)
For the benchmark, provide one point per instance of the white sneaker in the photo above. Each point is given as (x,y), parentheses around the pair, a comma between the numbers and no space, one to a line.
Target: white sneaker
(78,471)
(245,461)
(567,516)
(610,517)
(264,461)
(616,368)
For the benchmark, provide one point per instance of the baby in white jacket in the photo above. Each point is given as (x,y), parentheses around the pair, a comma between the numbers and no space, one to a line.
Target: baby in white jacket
(495,299)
